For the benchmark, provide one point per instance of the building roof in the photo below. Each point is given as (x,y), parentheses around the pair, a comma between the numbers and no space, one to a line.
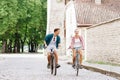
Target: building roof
(87,12)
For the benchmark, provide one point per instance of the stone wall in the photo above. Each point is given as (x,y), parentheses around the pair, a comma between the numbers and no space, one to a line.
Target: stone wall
(103,42)
(56,20)
(70,24)
(82,31)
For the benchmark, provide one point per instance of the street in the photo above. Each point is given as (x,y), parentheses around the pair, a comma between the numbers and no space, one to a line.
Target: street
(34,68)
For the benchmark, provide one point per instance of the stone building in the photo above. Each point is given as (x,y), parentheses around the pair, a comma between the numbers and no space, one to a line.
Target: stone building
(84,14)
(103,42)
(87,13)
(55,19)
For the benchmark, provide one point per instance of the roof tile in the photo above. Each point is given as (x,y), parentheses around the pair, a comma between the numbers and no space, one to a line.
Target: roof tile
(88,12)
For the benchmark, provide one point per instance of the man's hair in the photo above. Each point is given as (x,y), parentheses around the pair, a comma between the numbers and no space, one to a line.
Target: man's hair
(56,29)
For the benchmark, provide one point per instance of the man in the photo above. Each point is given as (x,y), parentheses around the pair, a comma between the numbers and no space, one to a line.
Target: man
(52,41)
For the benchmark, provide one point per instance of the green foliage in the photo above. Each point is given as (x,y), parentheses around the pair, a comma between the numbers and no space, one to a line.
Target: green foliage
(8,15)
(25,17)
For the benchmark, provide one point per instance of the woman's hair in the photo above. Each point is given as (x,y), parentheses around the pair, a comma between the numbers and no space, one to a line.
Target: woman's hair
(76,30)
(56,29)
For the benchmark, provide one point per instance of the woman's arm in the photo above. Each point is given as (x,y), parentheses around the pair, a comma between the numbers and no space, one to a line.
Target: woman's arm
(82,41)
(72,43)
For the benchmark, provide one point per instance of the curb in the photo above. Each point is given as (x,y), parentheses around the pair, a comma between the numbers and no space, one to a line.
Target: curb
(102,71)
(105,72)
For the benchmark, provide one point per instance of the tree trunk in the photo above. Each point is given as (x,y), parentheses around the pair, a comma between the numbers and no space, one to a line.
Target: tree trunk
(10,47)
(15,46)
(4,46)
(36,47)
(29,48)
(22,46)
(18,46)
(32,47)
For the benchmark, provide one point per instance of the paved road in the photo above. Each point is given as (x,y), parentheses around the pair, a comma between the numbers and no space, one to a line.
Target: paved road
(34,68)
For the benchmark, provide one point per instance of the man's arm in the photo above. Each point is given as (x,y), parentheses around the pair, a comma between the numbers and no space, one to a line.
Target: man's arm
(59,43)
(45,44)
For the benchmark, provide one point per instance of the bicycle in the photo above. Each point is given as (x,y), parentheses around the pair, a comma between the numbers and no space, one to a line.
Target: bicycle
(77,62)
(53,62)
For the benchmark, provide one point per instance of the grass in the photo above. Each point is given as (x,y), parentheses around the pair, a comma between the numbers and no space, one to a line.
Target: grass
(103,63)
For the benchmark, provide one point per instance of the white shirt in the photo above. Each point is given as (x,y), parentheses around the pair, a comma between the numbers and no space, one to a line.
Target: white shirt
(77,43)
(52,43)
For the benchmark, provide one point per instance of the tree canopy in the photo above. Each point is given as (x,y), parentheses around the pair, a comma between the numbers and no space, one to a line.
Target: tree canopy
(22,22)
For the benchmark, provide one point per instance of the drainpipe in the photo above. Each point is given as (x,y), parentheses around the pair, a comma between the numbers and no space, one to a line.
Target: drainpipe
(85,42)
(48,15)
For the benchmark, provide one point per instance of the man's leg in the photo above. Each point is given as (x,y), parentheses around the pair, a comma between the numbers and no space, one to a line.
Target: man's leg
(56,55)
(48,58)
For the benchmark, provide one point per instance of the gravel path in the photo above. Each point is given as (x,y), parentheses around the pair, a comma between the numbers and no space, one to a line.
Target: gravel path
(34,68)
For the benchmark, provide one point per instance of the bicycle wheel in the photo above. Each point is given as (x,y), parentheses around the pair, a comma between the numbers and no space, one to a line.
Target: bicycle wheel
(51,64)
(54,66)
(77,64)
(77,69)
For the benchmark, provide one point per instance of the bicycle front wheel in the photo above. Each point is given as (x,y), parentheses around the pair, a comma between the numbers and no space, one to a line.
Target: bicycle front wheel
(77,64)
(51,64)
(54,66)
(77,69)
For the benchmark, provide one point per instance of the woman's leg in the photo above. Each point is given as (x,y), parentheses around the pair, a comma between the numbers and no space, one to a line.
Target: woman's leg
(80,52)
(74,55)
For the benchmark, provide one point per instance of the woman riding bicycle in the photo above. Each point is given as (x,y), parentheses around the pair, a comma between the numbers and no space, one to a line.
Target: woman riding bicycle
(77,42)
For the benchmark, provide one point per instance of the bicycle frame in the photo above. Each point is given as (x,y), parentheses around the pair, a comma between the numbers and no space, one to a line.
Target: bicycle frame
(77,61)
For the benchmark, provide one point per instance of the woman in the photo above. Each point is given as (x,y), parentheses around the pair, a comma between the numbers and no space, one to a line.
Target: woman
(77,43)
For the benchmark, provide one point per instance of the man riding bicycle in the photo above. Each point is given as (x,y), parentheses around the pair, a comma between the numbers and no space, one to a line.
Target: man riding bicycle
(52,41)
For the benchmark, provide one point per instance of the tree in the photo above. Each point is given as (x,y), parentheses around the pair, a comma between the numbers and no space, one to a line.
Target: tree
(21,22)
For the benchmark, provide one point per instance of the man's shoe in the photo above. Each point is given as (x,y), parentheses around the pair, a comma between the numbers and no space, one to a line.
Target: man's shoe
(48,65)
(57,66)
